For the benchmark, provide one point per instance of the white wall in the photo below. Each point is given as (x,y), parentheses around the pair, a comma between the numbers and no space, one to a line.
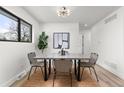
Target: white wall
(13,55)
(107,40)
(72,28)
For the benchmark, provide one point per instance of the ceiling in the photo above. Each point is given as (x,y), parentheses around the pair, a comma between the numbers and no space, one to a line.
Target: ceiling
(89,15)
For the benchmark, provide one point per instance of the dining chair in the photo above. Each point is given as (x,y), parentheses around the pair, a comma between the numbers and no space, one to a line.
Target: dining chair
(65,52)
(90,64)
(34,63)
(62,66)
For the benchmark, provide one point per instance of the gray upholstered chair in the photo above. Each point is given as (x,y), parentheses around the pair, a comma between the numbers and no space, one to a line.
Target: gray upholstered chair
(65,52)
(62,66)
(34,63)
(90,64)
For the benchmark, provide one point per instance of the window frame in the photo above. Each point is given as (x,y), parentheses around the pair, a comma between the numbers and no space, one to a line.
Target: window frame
(62,39)
(19,26)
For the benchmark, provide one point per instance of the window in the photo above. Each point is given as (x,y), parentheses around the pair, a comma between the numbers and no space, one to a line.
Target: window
(8,27)
(61,40)
(12,28)
(25,32)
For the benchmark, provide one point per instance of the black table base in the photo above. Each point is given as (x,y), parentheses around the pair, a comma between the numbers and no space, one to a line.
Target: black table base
(76,69)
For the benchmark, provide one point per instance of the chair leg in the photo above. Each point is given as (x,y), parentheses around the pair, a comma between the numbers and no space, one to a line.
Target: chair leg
(95,74)
(35,69)
(30,72)
(71,78)
(54,75)
(82,72)
(90,71)
(42,71)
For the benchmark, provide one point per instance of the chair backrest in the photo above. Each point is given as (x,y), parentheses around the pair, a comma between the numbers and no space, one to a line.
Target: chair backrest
(62,65)
(66,52)
(30,57)
(93,58)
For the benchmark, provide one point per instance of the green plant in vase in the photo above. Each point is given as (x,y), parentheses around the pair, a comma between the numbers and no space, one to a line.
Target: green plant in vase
(43,41)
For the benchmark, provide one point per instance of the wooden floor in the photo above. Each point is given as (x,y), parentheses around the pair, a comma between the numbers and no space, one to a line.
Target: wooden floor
(106,79)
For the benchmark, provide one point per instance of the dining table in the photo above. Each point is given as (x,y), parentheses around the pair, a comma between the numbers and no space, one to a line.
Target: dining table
(47,58)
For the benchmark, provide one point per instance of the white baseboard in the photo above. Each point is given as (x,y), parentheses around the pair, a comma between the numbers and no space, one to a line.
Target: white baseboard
(120,75)
(15,78)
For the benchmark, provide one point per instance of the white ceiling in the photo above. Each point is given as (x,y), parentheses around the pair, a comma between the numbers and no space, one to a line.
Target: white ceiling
(83,14)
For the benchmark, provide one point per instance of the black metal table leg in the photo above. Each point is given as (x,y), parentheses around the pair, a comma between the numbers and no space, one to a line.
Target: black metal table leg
(49,66)
(75,70)
(78,74)
(45,70)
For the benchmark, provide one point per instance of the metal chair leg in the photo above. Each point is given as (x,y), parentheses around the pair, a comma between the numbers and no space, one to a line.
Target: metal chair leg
(90,71)
(53,80)
(30,72)
(71,79)
(54,75)
(35,69)
(42,71)
(95,74)
(82,72)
